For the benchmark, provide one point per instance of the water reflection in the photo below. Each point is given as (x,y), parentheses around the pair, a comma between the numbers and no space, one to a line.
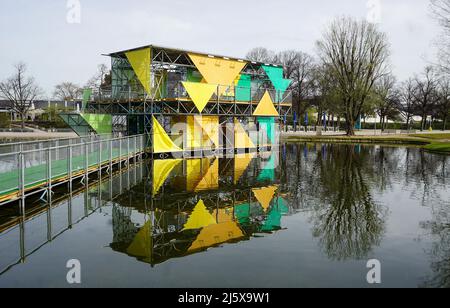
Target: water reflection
(355,202)
(196,204)
(348,222)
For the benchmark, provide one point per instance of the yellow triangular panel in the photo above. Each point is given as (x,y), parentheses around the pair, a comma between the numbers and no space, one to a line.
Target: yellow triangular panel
(200,93)
(216,234)
(161,141)
(241,139)
(211,178)
(161,170)
(140,61)
(241,162)
(199,218)
(141,247)
(265,195)
(218,71)
(266,107)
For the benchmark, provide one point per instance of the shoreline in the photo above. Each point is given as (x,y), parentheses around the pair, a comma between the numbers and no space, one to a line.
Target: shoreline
(427,141)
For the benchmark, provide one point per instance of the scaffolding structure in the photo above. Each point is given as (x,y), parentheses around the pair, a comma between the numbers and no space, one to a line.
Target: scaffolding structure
(173,86)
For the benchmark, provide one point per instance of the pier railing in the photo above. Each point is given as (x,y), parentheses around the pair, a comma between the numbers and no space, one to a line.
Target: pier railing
(27,172)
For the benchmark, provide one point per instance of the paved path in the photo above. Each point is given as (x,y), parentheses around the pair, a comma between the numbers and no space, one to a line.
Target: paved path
(36,134)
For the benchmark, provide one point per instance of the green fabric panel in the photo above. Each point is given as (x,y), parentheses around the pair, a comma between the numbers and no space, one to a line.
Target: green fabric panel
(193,75)
(273,219)
(243,89)
(267,123)
(86,97)
(101,123)
(268,173)
(275,75)
(242,213)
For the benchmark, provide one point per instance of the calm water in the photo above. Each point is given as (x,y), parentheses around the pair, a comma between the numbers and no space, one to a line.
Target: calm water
(307,216)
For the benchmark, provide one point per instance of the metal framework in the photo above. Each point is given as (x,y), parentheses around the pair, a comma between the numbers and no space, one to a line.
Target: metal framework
(169,67)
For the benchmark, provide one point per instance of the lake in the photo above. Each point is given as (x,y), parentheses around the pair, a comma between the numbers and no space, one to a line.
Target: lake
(308,215)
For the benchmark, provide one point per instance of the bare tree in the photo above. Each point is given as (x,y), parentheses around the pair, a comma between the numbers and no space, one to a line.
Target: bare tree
(425,96)
(261,54)
(99,79)
(406,101)
(289,60)
(21,91)
(302,75)
(386,99)
(443,102)
(67,91)
(441,11)
(357,54)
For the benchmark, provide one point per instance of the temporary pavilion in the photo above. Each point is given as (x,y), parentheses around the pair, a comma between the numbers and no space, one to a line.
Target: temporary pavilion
(187,103)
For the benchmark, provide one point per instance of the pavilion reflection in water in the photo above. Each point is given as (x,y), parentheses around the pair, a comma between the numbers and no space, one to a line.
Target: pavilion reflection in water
(191,205)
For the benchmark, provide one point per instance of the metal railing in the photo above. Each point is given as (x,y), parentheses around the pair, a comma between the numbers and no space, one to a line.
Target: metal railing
(24,235)
(178,92)
(27,172)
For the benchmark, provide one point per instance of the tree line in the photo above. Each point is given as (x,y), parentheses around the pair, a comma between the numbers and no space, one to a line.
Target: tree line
(21,90)
(350,76)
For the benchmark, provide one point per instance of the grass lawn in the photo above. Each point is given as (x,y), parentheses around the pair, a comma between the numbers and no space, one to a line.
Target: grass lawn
(438,143)
(433,136)
(439,147)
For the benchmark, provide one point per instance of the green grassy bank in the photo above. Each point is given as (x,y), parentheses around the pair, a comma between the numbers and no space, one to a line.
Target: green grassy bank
(437,143)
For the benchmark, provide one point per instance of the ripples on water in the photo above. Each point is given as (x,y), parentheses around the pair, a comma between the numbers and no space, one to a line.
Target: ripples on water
(309,215)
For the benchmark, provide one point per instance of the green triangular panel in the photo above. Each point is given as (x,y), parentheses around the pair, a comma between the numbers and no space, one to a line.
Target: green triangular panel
(275,75)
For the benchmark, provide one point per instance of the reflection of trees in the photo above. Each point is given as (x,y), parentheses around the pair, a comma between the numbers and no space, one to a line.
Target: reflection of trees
(426,172)
(439,228)
(347,221)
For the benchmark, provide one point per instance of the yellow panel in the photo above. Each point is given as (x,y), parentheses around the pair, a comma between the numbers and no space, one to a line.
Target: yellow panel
(161,170)
(196,169)
(218,71)
(140,61)
(216,234)
(210,128)
(141,246)
(199,218)
(265,195)
(241,139)
(224,214)
(200,93)
(241,162)
(266,107)
(194,134)
(161,141)
(211,179)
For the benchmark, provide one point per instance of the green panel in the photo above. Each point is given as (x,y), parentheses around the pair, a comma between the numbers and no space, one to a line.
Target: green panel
(275,75)
(243,89)
(268,124)
(87,93)
(273,219)
(268,172)
(77,123)
(242,213)
(193,75)
(101,123)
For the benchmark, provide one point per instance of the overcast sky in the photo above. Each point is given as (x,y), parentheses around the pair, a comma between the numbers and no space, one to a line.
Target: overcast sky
(38,32)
